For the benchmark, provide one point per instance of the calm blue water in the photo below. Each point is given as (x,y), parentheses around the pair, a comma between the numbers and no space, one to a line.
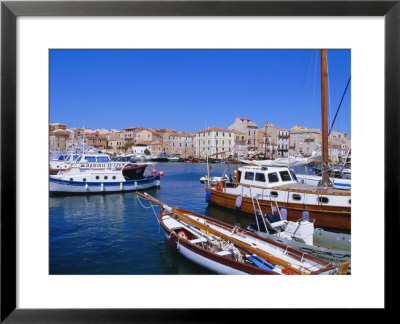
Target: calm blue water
(114,234)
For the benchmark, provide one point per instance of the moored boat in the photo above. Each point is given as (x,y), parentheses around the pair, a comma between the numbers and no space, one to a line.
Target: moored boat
(115,177)
(331,208)
(226,249)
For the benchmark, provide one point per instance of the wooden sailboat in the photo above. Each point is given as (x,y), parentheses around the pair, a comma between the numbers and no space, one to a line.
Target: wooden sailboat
(226,249)
(329,207)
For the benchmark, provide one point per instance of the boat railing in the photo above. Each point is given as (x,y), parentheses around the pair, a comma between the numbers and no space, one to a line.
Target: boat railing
(258,211)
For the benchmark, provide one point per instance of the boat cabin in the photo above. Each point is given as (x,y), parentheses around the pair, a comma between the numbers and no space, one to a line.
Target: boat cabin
(263,176)
(99,158)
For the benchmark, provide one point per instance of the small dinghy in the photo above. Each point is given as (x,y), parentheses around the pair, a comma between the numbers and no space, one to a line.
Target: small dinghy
(227,249)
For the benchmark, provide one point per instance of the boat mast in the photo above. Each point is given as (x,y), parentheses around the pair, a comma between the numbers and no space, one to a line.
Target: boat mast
(325,181)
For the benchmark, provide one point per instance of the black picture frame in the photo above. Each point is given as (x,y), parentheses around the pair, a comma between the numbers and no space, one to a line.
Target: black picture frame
(10,10)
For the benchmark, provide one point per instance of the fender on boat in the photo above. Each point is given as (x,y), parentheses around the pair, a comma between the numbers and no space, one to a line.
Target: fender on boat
(238,202)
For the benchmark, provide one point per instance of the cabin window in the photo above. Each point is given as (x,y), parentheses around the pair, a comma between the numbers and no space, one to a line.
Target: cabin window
(71,179)
(349,201)
(249,175)
(273,177)
(114,177)
(239,174)
(260,177)
(97,177)
(285,176)
(90,159)
(274,194)
(105,177)
(324,200)
(84,179)
(75,157)
(102,159)
(296,197)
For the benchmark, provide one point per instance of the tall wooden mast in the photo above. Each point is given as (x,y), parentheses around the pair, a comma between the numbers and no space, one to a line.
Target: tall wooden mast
(325,181)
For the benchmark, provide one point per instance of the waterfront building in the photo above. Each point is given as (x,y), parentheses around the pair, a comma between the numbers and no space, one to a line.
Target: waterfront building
(130,133)
(249,129)
(56,126)
(58,140)
(157,147)
(141,148)
(303,140)
(182,143)
(343,142)
(147,135)
(116,140)
(277,141)
(96,140)
(215,142)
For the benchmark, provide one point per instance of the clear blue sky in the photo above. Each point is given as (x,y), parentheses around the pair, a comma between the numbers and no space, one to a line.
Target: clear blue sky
(190,89)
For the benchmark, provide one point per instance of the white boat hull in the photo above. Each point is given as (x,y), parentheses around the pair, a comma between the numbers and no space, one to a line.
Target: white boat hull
(65,186)
(206,262)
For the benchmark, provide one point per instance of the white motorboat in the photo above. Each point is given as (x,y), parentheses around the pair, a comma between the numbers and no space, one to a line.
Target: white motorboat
(115,177)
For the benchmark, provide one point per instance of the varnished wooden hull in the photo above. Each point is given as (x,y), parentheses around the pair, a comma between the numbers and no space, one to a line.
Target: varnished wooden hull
(337,219)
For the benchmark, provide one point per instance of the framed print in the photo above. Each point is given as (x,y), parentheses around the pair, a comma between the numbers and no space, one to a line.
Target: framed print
(52,53)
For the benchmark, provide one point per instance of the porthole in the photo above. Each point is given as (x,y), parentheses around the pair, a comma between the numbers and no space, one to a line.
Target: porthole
(105,177)
(114,177)
(97,177)
(323,200)
(349,201)
(71,179)
(296,197)
(84,179)
(274,194)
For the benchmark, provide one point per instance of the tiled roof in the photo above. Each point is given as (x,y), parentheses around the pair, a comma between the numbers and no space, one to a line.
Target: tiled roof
(215,129)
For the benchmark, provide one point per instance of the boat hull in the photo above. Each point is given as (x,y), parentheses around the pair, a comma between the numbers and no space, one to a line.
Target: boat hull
(333,218)
(58,186)
(206,259)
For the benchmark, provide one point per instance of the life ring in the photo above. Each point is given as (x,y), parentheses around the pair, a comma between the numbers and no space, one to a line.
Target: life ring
(219,186)
(182,234)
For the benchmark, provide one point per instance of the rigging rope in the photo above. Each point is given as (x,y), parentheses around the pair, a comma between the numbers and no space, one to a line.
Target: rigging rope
(337,111)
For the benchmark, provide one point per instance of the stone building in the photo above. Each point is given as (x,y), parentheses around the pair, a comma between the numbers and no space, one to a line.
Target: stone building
(182,143)
(249,129)
(215,142)
(303,140)
(58,140)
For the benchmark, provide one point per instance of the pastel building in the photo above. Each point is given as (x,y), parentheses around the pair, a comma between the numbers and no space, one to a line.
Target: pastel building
(249,129)
(215,142)
(182,143)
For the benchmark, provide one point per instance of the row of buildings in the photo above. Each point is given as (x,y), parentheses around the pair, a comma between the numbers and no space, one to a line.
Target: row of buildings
(242,139)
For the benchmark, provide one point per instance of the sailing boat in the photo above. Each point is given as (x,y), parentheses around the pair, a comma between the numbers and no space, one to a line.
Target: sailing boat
(330,208)
(226,249)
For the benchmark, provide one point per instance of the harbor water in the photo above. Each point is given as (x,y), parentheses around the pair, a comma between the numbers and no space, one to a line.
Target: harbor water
(115,234)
